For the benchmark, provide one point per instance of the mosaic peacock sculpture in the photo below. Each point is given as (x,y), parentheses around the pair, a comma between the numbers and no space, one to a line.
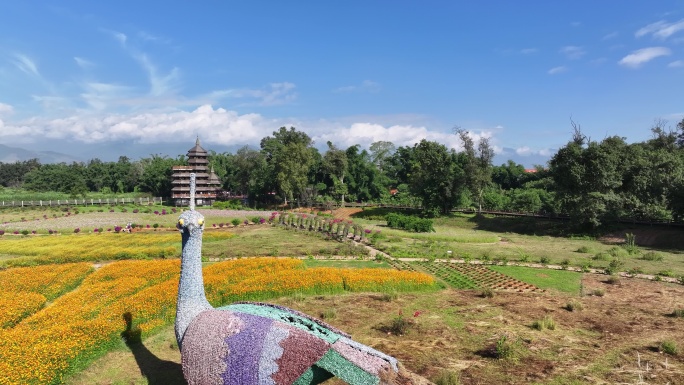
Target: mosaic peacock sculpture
(256,343)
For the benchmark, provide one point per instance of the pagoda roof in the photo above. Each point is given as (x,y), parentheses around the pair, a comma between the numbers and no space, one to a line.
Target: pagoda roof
(197,150)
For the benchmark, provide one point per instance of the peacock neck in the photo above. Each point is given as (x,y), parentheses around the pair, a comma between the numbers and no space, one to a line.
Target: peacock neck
(191,297)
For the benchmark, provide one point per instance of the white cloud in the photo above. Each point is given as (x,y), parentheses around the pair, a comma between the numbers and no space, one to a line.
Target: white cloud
(528,51)
(557,70)
(365,86)
(273,94)
(401,135)
(661,29)
(214,126)
(644,55)
(527,151)
(572,52)
(676,64)
(83,63)
(6,109)
(26,65)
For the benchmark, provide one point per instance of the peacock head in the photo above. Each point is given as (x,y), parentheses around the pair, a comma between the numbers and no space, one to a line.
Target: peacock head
(190,221)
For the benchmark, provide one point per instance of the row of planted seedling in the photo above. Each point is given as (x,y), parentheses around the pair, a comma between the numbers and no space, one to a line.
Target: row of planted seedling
(467,276)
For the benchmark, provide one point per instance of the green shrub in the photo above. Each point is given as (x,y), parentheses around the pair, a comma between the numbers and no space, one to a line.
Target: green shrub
(390,296)
(545,323)
(24,232)
(630,244)
(666,273)
(602,256)
(617,252)
(614,266)
(585,249)
(233,204)
(598,292)
(409,223)
(679,313)
(235,221)
(328,314)
(487,293)
(574,305)
(255,220)
(544,260)
(506,347)
(399,325)
(669,347)
(448,378)
(652,256)
(565,264)
(613,279)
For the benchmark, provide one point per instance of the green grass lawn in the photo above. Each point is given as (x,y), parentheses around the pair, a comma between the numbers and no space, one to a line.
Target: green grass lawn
(560,280)
(519,239)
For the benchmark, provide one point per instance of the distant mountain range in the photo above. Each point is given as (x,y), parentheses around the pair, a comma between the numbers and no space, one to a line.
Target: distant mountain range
(15,154)
(110,152)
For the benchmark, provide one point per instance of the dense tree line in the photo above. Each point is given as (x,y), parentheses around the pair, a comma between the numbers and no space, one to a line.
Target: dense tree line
(594,182)
(151,175)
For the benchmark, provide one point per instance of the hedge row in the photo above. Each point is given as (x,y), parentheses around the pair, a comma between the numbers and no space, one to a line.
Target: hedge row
(409,223)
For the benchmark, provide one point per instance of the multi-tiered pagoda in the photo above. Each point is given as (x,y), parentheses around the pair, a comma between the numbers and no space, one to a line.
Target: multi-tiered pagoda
(206,181)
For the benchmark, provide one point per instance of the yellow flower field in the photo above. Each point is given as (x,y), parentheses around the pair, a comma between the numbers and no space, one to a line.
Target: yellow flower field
(42,250)
(82,324)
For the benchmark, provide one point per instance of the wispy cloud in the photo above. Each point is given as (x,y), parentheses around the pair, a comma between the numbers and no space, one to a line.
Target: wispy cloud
(26,65)
(528,51)
(609,36)
(159,84)
(572,52)
(102,95)
(83,63)
(661,29)
(365,86)
(273,94)
(557,70)
(644,55)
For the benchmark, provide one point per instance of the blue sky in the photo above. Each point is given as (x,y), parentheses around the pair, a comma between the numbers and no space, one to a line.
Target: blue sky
(135,78)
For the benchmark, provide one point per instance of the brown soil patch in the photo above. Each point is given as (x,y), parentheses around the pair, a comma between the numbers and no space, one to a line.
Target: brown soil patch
(346,212)
(615,339)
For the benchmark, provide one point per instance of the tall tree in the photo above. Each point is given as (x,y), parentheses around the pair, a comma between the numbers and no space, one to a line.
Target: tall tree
(289,155)
(478,167)
(335,163)
(380,151)
(12,174)
(156,174)
(587,178)
(433,177)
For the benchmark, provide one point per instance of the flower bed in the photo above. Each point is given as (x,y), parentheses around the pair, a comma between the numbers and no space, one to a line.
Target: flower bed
(84,323)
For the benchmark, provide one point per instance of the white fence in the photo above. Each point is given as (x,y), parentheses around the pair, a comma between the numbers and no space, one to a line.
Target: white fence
(82,202)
